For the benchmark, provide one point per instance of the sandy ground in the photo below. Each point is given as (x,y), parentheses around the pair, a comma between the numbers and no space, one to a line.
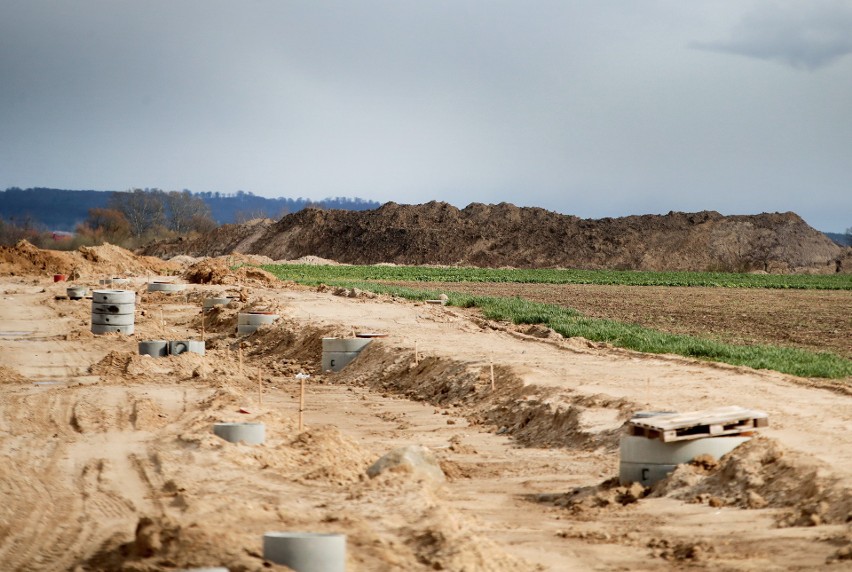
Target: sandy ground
(108,461)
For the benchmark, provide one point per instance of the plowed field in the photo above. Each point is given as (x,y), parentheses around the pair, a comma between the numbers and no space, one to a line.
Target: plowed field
(818,320)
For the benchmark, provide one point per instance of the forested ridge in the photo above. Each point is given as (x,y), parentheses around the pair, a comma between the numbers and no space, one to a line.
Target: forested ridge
(63,209)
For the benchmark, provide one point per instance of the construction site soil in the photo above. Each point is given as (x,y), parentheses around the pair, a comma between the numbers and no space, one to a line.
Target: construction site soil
(504,235)
(108,460)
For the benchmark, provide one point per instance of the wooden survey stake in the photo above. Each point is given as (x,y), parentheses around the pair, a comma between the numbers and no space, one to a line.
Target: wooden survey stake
(302,377)
(301,404)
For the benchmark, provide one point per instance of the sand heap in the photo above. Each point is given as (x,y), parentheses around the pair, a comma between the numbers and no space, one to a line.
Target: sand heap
(218,271)
(25,259)
(763,473)
(505,235)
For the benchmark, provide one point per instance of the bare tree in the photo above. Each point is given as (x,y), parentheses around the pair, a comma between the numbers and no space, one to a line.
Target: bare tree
(187,212)
(143,209)
(105,225)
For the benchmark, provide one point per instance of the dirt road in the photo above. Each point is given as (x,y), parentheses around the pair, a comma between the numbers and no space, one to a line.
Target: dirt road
(108,461)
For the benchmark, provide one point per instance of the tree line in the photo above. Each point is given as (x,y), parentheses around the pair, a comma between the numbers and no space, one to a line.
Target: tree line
(47,217)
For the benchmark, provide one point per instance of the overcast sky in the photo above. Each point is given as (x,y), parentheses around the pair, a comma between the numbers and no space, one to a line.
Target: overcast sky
(594,108)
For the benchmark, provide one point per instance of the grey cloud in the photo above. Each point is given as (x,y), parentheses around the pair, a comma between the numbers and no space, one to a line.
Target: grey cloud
(589,107)
(804,35)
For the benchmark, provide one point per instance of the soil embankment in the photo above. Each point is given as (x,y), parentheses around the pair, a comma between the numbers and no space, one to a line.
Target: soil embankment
(508,236)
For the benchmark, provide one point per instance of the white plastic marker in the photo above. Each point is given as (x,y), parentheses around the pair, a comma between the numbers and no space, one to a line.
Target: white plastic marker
(302,377)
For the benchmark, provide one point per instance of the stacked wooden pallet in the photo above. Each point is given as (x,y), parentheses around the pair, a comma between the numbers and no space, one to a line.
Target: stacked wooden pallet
(668,427)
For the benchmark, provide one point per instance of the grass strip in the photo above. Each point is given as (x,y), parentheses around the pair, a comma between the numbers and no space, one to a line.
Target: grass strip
(317,274)
(570,323)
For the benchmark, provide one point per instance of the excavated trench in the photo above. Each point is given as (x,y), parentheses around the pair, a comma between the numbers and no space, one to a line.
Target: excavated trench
(534,416)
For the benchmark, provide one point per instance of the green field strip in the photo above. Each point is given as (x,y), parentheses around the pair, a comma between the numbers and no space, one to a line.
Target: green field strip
(316,274)
(571,323)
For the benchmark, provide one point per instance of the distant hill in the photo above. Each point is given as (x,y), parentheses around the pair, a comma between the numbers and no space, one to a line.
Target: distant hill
(49,209)
(506,235)
(62,209)
(841,239)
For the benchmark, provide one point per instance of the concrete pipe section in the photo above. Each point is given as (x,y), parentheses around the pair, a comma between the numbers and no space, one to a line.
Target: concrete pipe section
(113,311)
(113,308)
(177,347)
(256,318)
(337,353)
(99,329)
(165,287)
(113,297)
(154,348)
(210,302)
(336,361)
(113,319)
(249,322)
(76,292)
(248,433)
(647,461)
(244,330)
(344,344)
(306,551)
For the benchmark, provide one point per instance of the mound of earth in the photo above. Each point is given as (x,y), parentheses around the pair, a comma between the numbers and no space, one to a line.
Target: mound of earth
(25,259)
(760,473)
(505,235)
(218,271)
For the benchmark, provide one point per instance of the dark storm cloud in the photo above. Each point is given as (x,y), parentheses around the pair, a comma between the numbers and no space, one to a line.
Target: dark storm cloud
(803,34)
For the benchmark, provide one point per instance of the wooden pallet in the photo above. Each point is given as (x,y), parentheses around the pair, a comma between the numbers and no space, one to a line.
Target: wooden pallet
(698,424)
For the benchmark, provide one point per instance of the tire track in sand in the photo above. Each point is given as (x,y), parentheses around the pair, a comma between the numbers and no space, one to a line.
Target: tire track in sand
(60,503)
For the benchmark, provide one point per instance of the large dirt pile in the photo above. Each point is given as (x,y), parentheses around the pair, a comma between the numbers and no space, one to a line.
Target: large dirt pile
(25,259)
(505,235)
